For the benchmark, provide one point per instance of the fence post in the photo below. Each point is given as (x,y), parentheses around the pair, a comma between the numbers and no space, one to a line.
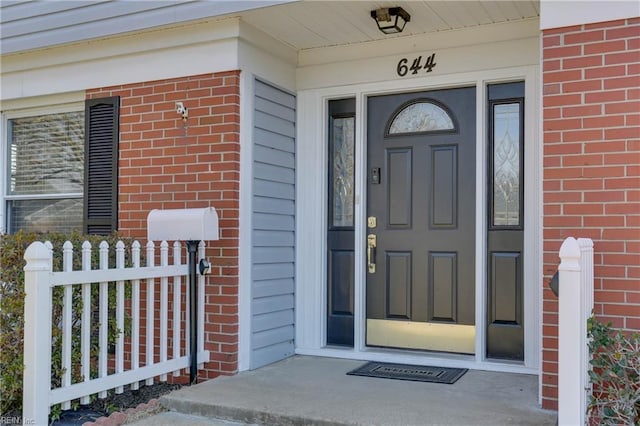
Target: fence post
(586,306)
(37,334)
(570,338)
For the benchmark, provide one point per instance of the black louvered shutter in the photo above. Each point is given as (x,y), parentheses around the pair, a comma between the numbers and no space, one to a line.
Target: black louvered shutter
(101,165)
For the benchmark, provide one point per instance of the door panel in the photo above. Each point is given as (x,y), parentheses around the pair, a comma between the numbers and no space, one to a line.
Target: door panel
(443,284)
(399,268)
(444,190)
(399,169)
(421,189)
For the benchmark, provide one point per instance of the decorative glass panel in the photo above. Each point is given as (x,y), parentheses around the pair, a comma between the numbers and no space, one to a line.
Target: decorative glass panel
(421,117)
(506,165)
(343,167)
(46,154)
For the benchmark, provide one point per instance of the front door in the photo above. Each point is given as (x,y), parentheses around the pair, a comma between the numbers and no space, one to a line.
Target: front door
(421,212)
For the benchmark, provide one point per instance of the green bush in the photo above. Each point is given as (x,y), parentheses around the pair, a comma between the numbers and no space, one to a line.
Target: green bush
(12,248)
(615,375)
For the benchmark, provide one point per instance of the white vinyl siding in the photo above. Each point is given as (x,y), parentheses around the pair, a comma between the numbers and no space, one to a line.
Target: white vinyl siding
(273,223)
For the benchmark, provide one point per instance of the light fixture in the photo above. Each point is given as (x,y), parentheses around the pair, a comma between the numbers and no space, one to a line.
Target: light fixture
(391,20)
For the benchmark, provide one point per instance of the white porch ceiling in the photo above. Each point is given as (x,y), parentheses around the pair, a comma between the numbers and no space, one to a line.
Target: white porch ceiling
(313,23)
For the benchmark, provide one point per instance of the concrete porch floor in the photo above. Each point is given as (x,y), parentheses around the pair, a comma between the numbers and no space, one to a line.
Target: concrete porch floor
(305,390)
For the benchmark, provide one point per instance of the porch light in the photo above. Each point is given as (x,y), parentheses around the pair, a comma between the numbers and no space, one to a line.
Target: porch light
(391,20)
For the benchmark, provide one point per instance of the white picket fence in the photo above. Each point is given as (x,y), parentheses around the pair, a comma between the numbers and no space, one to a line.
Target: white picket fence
(39,283)
(575,307)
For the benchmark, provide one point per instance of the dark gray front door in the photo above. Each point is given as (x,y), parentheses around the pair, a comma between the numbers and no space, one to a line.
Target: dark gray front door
(421,220)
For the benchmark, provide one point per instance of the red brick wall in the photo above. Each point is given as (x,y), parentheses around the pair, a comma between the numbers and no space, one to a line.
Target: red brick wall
(165,163)
(591,108)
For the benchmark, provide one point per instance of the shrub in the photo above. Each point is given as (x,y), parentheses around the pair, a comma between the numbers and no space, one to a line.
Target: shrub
(615,375)
(12,248)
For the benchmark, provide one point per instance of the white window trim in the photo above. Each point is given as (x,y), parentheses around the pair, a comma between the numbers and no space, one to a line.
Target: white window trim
(4,153)
(311,219)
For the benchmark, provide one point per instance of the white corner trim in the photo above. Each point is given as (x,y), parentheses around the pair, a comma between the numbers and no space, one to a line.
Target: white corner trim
(246,231)
(480,220)
(267,66)
(264,42)
(310,221)
(533,218)
(360,218)
(562,13)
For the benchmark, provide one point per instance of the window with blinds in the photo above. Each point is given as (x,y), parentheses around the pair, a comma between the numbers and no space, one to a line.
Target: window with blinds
(45,172)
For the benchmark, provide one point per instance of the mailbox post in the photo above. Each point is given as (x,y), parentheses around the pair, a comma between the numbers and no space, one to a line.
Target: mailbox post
(192,226)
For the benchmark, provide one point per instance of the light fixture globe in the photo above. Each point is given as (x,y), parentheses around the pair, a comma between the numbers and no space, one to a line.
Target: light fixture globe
(391,20)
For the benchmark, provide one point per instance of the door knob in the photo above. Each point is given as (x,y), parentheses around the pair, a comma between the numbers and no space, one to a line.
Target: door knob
(372,243)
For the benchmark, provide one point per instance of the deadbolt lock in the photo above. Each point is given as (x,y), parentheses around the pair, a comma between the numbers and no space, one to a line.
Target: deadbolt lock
(372,222)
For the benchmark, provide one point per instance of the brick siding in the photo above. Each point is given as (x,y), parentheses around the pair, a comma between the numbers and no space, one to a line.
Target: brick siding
(591,184)
(165,163)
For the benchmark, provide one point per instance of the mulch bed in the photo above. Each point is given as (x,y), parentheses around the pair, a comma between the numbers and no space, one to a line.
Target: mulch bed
(114,403)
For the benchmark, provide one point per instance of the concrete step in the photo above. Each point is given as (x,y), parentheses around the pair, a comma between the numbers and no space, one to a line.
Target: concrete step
(171,418)
(306,390)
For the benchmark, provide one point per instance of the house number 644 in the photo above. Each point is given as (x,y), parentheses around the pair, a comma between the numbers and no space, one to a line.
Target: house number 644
(417,65)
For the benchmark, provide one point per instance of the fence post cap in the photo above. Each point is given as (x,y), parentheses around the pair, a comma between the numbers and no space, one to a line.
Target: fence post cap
(570,249)
(585,242)
(570,255)
(38,257)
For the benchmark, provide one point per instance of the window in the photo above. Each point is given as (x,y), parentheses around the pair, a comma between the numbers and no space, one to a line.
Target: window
(506,155)
(342,170)
(421,117)
(45,172)
(61,169)
(506,164)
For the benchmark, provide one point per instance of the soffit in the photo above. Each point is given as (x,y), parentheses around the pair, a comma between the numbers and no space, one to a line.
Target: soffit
(312,24)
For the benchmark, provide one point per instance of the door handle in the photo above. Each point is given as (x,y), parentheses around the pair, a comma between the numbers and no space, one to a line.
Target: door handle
(372,243)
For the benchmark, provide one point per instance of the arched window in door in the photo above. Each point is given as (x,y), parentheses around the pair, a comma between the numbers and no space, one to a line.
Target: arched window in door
(422,116)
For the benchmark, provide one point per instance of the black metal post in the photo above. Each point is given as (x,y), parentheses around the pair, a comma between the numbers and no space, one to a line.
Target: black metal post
(192,248)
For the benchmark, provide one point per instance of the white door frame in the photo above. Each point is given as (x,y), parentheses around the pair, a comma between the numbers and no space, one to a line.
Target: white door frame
(312,219)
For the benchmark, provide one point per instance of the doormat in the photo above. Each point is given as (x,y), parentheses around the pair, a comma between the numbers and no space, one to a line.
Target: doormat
(418,373)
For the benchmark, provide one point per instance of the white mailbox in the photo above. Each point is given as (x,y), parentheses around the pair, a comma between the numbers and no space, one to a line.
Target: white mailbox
(183,224)
(192,226)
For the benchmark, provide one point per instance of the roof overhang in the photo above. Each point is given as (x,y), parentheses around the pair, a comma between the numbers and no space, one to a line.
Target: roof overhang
(300,25)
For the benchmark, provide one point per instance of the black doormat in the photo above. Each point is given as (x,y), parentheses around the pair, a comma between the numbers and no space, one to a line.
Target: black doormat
(418,373)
